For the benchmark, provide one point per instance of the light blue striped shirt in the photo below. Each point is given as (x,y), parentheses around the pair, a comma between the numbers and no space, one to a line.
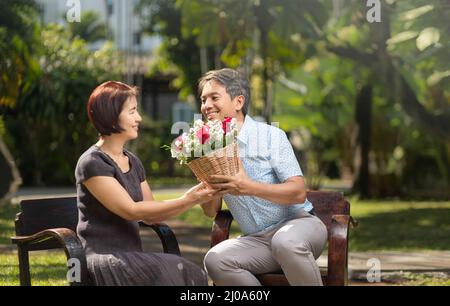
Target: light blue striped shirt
(268,157)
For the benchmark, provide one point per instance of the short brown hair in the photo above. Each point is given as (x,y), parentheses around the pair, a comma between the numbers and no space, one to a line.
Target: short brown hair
(235,82)
(105,104)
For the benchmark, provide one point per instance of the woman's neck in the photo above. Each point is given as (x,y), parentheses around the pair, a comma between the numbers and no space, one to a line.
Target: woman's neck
(111,145)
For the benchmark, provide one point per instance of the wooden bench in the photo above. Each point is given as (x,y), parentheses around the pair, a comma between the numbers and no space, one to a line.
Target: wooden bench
(334,211)
(50,223)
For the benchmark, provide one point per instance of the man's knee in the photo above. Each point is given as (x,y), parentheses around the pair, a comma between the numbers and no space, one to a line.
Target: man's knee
(216,264)
(211,261)
(283,247)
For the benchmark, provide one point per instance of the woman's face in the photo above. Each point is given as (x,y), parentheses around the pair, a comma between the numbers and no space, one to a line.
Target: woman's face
(129,119)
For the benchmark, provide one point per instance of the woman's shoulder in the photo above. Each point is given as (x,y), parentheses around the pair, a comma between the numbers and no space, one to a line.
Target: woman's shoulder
(91,155)
(91,163)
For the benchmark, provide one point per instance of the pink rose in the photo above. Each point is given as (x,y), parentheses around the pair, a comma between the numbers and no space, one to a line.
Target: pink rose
(203,134)
(179,141)
(226,124)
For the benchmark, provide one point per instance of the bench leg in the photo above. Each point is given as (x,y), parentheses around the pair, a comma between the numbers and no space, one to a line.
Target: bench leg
(24,267)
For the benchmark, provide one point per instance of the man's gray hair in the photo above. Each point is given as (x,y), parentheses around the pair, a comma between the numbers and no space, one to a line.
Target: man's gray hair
(235,83)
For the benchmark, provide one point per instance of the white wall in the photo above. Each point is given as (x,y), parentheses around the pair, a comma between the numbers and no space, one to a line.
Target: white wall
(122,22)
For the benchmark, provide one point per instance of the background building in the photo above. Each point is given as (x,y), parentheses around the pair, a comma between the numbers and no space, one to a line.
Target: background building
(137,48)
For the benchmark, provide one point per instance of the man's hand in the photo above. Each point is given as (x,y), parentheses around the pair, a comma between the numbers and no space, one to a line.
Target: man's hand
(240,184)
(291,191)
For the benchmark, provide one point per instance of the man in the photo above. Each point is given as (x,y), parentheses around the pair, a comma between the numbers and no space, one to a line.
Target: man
(267,197)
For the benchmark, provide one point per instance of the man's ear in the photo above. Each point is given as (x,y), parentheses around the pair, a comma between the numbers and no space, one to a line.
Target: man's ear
(239,102)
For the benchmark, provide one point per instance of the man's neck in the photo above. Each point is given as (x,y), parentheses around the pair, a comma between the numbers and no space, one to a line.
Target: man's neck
(240,118)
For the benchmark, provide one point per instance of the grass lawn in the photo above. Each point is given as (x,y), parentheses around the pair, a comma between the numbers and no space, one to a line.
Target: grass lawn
(418,279)
(47,268)
(400,225)
(383,225)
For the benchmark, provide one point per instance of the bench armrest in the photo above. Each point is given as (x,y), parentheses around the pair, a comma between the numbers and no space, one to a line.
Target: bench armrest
(338,250)
(167,237)
(66,239)
(221,227)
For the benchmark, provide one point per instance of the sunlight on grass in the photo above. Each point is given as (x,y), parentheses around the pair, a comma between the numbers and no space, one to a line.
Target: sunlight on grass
(419,279)
(427,281)
(367,207)
(400,225)
(47,268)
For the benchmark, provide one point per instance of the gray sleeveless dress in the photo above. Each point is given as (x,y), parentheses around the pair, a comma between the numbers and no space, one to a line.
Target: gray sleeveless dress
(113,246)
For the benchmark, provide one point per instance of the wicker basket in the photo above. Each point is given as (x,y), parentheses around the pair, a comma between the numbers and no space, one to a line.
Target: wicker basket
(224,161)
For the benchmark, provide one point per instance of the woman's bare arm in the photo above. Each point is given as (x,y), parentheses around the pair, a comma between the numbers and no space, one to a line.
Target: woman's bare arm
(146,191)
(109,192)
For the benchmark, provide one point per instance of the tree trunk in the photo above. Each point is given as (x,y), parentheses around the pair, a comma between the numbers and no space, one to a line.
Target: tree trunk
(263,24)
(363,117)
(10,177)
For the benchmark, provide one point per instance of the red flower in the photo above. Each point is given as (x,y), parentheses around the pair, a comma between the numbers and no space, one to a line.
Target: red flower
(226,124)
(203,134)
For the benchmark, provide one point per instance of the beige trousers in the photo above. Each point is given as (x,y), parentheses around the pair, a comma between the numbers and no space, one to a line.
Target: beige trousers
(292,247)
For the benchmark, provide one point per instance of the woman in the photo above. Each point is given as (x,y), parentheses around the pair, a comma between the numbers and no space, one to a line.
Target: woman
(113,195)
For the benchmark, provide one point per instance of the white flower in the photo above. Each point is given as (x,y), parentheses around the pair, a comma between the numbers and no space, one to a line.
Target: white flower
(190,146)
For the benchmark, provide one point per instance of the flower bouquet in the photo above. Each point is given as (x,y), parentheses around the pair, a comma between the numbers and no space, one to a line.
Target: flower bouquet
(209,148)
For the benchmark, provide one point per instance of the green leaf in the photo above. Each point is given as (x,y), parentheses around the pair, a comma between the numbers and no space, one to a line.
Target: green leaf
(417,12)
(402,37)
(427,37)
(437,76)
(350,34)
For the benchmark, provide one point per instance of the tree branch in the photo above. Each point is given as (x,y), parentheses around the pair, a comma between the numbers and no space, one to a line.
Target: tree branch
(437,124)
(354,54)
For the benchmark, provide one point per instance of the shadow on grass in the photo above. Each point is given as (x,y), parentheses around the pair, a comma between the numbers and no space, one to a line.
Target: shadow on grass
(423,228)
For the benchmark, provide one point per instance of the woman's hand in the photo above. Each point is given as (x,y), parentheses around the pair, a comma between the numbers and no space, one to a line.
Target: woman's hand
(200,194)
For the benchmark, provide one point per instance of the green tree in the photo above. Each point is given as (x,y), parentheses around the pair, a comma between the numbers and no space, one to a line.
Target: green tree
(18,32)
(179,54)
(272,34)
(395,110)
(402,51)
(18,36)
(369,93)
(48,129)
(428,37)
(90,29)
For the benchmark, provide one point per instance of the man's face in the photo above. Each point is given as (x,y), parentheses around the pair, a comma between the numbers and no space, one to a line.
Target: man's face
(217,103)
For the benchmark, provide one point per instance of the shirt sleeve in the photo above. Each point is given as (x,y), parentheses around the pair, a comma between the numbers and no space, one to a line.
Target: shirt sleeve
(282,157)
(90,166)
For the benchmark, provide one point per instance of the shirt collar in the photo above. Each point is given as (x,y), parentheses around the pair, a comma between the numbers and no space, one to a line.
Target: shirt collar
(245,129)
